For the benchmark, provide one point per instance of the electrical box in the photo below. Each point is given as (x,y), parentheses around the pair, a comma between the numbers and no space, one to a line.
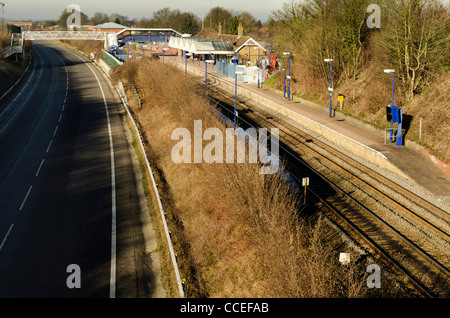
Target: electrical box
(392,114)
(388,113)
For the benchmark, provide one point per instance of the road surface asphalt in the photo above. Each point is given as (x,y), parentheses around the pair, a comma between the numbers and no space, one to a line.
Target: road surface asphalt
(69,206)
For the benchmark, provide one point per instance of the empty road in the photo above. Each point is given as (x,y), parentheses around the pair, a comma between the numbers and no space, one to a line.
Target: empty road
(69,209)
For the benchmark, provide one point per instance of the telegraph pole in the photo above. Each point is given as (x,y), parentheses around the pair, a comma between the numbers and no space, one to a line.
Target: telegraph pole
(203,24)
(2,4)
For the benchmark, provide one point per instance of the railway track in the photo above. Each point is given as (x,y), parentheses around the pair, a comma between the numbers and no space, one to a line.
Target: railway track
(407,231)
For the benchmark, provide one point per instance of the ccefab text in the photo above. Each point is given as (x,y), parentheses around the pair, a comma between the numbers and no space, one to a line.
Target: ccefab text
(246,307)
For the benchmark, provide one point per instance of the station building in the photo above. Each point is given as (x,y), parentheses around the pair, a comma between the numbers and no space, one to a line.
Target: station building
(247,51)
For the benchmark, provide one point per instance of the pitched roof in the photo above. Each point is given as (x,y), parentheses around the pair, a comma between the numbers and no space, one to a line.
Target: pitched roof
(213,34)
(110,25)
(201,45)
(235,40)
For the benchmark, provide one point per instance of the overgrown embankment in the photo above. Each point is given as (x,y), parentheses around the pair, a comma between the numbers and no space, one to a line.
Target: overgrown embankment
(10,71)
(9,74)
(85,46)
(235,231)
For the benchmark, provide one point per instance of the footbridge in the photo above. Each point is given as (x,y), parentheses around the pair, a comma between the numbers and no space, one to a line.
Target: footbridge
(16,47)
(18,39)
(109,38)
(10,50)
(65,35)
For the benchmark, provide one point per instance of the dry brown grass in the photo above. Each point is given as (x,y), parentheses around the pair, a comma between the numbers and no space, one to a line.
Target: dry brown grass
(5,40)
(234,230)
(85,46)
(434,108)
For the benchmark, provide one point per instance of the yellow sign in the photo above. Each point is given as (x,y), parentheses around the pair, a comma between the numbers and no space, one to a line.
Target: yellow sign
(341,98)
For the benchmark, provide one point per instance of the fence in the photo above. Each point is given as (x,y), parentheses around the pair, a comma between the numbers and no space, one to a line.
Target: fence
(110,59)
(391,134)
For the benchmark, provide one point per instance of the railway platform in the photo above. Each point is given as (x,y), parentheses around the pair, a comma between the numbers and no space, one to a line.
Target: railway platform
(411,160)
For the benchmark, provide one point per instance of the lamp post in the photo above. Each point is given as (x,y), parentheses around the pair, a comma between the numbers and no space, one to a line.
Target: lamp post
(206,73)
(393,83)
(257,65)
(164,50)
(387,71)
(330,89)
(284,84)
(289,75)
(3,12)
(235,94)
(186,56)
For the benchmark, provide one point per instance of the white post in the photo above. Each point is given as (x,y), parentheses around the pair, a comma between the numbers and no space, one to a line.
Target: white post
(420,130)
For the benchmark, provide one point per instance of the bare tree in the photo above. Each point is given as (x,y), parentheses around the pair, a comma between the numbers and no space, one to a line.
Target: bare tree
(417,41)
(317,29)
(99,18)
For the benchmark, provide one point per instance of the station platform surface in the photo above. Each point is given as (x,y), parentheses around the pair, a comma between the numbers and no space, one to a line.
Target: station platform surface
(414,163)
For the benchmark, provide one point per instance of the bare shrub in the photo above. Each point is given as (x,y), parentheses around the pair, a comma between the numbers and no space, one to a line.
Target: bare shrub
(237,232)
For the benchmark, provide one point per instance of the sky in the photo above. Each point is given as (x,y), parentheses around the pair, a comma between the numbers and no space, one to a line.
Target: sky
(15,10)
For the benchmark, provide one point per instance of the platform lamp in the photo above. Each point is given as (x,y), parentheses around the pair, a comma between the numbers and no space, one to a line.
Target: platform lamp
(186,56)
(2,4)
(289,74)
(387,71)
(206,74)
(257,63)
(235,93)
(164,50)
(393,82)
(330,89)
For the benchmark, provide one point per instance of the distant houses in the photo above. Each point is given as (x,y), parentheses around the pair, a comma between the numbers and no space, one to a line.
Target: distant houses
(23,25)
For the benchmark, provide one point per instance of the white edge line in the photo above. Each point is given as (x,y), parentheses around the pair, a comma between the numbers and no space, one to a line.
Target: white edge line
(112,284)
(49,145)
(25,199)
(40,166)
(174,261)
(6,236)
